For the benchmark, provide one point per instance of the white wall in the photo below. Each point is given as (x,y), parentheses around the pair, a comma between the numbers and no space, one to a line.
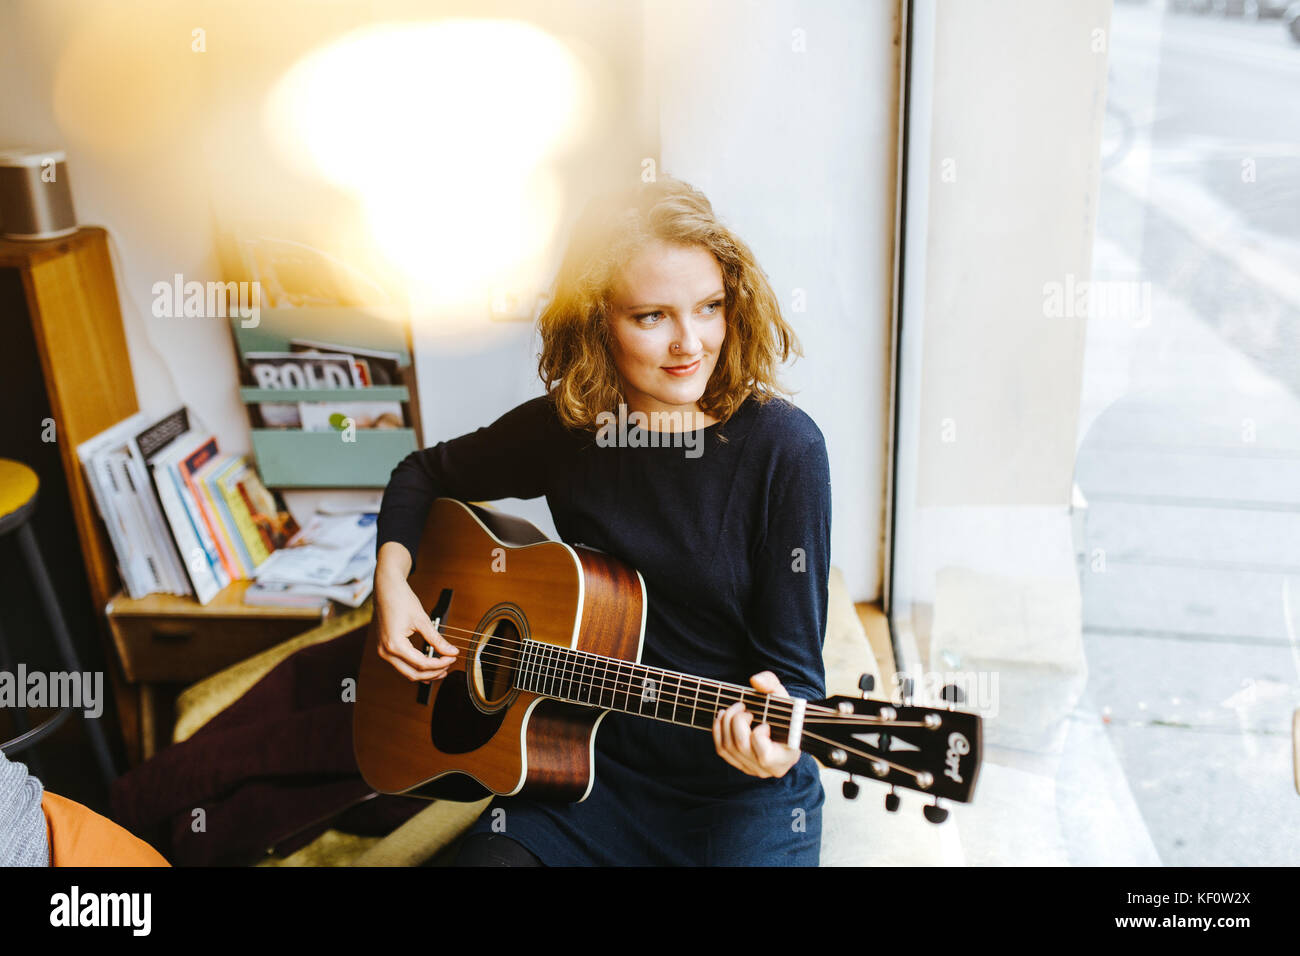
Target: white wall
(168,151)
(784,113)
(795,148)
(1007,106)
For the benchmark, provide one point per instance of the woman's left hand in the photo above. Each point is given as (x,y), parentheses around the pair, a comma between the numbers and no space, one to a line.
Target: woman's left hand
(753,752)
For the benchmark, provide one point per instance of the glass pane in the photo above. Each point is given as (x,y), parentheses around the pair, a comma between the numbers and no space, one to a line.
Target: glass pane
(1138,704)
(1189,438)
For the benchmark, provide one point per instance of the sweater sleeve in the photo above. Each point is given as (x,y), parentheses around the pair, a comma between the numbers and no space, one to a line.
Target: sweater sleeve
(507,459)
(24,836)
(788,607)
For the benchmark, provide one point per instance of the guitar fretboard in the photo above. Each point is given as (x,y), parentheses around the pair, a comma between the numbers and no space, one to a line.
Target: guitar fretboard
(652,692)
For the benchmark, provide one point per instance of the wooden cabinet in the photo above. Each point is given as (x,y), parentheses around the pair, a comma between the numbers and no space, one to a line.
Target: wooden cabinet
(66,363)
(65,376)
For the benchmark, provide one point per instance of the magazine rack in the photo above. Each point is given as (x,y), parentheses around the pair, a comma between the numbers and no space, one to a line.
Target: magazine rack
(294,458)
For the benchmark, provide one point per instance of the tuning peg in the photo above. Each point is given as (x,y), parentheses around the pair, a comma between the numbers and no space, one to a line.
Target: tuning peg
(851,789)
(892,801)
(907,685)
(867,683)
(935,813)
(953,695)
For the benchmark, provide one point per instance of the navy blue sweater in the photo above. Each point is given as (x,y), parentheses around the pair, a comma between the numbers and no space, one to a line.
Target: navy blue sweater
(733,542)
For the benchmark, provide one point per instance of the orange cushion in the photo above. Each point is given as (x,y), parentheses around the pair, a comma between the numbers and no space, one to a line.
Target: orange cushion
(81,837)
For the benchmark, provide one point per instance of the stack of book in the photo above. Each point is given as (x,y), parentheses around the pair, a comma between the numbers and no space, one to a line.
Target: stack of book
(333,558)
(182,517)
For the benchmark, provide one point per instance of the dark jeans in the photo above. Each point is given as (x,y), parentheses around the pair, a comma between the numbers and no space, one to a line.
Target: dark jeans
(493,849)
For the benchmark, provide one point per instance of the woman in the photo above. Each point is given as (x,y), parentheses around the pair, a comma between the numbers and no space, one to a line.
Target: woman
(726,513)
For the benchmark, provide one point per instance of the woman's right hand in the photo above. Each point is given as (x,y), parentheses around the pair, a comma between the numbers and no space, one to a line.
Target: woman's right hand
(400,614)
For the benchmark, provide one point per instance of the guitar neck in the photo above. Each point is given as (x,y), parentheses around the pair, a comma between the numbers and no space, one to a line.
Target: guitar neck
(651,692)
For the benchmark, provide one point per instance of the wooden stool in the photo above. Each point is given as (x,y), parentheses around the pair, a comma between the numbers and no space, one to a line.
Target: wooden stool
(18,489)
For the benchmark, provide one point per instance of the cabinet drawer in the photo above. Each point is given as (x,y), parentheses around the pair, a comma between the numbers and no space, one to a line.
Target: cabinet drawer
(186,649)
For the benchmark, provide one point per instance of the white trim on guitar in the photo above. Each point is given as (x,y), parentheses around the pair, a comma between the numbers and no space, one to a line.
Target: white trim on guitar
(582,594)
(577,565)
(523,747)
(645,603)
(591,756)
(573,645)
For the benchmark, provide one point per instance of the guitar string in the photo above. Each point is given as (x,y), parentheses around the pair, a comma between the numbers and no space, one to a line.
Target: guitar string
(867,756)
(554,672)
(554,669)
(565,685)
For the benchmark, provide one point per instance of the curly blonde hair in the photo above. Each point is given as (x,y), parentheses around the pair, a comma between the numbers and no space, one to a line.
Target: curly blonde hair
(576,364)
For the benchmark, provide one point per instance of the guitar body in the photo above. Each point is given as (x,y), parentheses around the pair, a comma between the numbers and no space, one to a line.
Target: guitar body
(495,580)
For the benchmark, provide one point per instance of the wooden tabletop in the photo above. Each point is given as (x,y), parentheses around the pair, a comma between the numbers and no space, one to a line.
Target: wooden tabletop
(229,602)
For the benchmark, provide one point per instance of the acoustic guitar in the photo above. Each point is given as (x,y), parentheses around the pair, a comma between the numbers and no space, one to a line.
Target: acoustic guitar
(550,638)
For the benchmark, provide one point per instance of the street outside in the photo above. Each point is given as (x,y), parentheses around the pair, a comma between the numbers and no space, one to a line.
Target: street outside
(1189,438)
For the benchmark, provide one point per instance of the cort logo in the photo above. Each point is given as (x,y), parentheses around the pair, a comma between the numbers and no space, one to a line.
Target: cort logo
(957,746)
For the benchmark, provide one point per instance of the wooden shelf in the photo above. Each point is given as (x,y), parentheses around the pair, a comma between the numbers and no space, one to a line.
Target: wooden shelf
(71,300)
(76,324)
(229,602)
(292,458)
(372,393)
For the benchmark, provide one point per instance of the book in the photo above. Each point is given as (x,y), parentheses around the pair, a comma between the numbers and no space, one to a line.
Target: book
(187,465)
(142,566)
(163,432)
(107,491)
(205,479)
(130,508)
(196,564)
(352,593)
(282,595)
(226,480)
(274,522)
(160,537)
(170,461)
(144,446)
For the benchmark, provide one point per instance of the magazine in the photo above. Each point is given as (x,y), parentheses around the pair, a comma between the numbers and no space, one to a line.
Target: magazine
(381,368)
(286,370)
(332,550)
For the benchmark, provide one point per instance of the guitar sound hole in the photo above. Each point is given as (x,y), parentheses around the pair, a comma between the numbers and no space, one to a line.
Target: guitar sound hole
(456,725)
(495,664)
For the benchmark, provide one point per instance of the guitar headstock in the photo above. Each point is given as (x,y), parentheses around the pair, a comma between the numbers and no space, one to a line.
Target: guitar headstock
(934,751)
